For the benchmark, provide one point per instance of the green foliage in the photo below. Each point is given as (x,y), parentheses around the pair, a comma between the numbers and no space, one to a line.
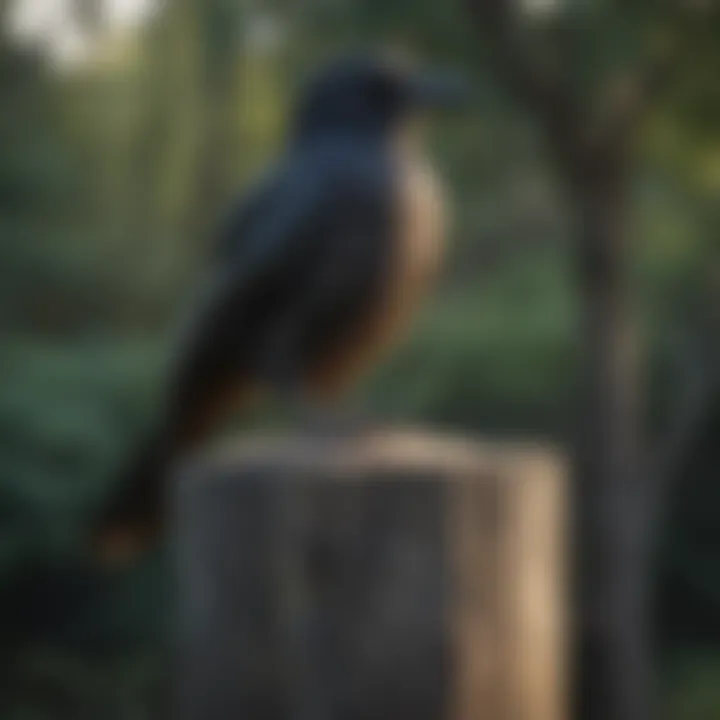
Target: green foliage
(498,356)
(692,691)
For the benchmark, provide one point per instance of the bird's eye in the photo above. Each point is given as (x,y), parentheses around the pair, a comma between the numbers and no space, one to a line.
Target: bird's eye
(382,92)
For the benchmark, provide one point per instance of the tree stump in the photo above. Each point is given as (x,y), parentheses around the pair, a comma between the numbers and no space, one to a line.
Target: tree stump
(399,576)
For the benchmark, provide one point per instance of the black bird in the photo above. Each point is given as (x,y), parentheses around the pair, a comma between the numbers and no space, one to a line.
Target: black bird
(317,272)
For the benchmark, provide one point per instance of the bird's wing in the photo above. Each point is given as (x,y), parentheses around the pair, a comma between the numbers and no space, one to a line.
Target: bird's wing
(246,211)
(296,260)
(301,252)
(259,234)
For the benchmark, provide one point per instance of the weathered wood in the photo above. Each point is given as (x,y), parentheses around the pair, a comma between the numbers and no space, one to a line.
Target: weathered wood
(398,576)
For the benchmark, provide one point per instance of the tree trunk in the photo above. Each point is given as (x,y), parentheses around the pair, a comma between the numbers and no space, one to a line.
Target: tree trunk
(611,533)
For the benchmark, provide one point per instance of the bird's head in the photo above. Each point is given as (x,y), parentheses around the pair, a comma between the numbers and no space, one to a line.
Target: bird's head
(373,96)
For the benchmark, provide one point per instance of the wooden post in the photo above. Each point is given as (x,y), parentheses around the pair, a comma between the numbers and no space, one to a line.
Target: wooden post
(397,576)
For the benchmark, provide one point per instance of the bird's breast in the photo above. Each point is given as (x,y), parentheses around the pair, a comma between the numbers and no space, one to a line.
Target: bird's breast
(419,238)
(422,221)
(417,250)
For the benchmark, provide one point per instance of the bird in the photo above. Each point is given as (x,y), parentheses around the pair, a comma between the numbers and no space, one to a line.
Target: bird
(315,275)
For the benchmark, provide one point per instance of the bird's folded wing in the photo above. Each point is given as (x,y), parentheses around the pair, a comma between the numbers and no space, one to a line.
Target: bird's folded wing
(273,220)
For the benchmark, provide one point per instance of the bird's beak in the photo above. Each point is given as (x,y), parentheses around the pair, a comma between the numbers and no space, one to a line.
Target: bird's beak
(440,91)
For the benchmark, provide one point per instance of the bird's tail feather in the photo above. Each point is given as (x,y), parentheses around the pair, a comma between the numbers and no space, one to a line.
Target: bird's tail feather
(132,519)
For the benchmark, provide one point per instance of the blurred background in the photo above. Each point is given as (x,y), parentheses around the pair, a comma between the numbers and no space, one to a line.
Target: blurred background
(127,127)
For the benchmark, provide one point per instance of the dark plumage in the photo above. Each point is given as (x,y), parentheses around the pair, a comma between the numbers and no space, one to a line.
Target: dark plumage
(308,278)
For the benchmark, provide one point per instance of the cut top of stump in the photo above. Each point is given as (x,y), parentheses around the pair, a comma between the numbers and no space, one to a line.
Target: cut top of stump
(416,453)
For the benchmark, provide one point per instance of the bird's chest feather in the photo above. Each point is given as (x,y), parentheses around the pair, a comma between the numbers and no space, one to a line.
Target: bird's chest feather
(421,227)
(417,250)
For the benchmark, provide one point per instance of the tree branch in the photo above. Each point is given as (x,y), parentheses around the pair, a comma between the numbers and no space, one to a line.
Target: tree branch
(534,82)
(626,98)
